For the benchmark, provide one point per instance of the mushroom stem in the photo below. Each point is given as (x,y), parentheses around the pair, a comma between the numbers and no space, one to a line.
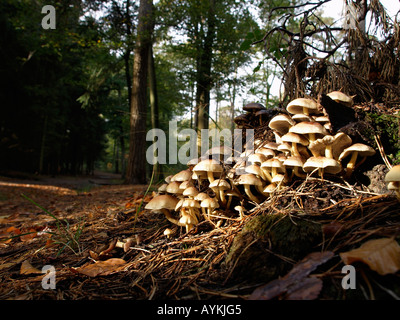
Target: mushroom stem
(328,151)
(222,196)
(210,176)
(250,194)
(297,173)
(351,164)
(170,217)
(267,175)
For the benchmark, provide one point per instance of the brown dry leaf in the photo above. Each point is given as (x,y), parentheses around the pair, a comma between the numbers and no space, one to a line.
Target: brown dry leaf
(29,235)
(27,268)
(381,255)
(296,284)
(102,268)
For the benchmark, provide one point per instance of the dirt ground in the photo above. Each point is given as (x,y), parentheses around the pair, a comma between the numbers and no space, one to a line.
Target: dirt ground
(81,227)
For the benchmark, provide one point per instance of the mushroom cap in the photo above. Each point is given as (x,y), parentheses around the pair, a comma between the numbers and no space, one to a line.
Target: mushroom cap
(193,162)
(297,105)
(211,203)
(362,149)
(188,219)
(293,161)
(190,203)
(253,107)
(285,147)
(256,158)
(393,174)
(273,163)
(186,184)
(271,145)
(300,117)
(201,196)
(190,192)
(163,188)
(168,179)
(173,187)
(279,178)
(221,184)
(393,185)
(164,201)
(281,123)
(208,165)
(295,138)
(270,188)
(267,152)
(308,127)
(249,179)
(340,97)
(183,175)
(241,118)
(254,169)
(329,165)
(179,204)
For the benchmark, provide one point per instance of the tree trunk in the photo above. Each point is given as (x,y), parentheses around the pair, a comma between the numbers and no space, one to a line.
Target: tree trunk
(204,81)
(157,167)
(136,171)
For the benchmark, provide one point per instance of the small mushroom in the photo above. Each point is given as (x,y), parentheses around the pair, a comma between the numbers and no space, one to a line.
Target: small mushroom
(355,150)
(219,186)
(210,204)
(241,211)
(323,164)
(295,139)
(342,98)
(183,175)
(190,192)
(302,105)
(248,180)
(296,164)
(164,203)
(310,129)
(281,123)
(208,166)
(393,180)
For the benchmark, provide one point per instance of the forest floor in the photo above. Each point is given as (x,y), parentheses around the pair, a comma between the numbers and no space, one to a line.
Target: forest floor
(78,225)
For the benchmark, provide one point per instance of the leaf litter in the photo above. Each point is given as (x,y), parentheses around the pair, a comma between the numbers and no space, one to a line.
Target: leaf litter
(125,255)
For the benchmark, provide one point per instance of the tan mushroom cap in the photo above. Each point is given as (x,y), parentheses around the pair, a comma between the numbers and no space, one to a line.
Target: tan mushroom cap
(210,166)
(311,129)
(201,196)
(211,203)
(340,97)
(267,152)
(162,188)
(163,201)
(256,158)
(183,175)
(281,123)
(393,174)
(173,187)
(302,105)
(323,164)
(190,192)
(301,117)
(360,148)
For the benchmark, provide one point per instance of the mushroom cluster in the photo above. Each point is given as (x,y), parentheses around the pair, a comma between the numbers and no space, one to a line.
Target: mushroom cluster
(303,145)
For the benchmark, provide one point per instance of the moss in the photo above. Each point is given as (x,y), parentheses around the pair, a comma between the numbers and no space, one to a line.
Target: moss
(268,246)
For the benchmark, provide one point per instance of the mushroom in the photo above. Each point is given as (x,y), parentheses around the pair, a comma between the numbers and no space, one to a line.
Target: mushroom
(393,180)
(268,153)
(295,139)
(296,164)
(208,166)
(256,170)
(241,211)
(219,186)
(230,194)
(271,167)
(302,105)
(281,123)
(342,98)
(162,189)
(248,180)
(164,203)
(210,204)
(330,146)
(183,175)
(355,150)
(219,153)
(190,192)
(253,107)
(187,220)
(311,129)
(168,232)
(173,187)
(323,164)
(200,197)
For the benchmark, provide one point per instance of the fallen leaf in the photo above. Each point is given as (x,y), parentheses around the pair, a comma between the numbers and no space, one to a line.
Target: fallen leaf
(28,235)
(296,285)
(27,268)
(102,268)
(381,255)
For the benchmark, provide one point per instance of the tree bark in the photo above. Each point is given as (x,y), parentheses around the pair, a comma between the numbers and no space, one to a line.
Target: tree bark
(136,171)
(157,167)
(204,80)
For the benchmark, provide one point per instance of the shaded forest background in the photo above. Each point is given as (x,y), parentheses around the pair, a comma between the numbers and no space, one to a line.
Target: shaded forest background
(65,93)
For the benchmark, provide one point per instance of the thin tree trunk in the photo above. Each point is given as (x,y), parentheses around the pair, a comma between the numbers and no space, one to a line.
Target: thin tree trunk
(136,171)
(204,81)
(157,167)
